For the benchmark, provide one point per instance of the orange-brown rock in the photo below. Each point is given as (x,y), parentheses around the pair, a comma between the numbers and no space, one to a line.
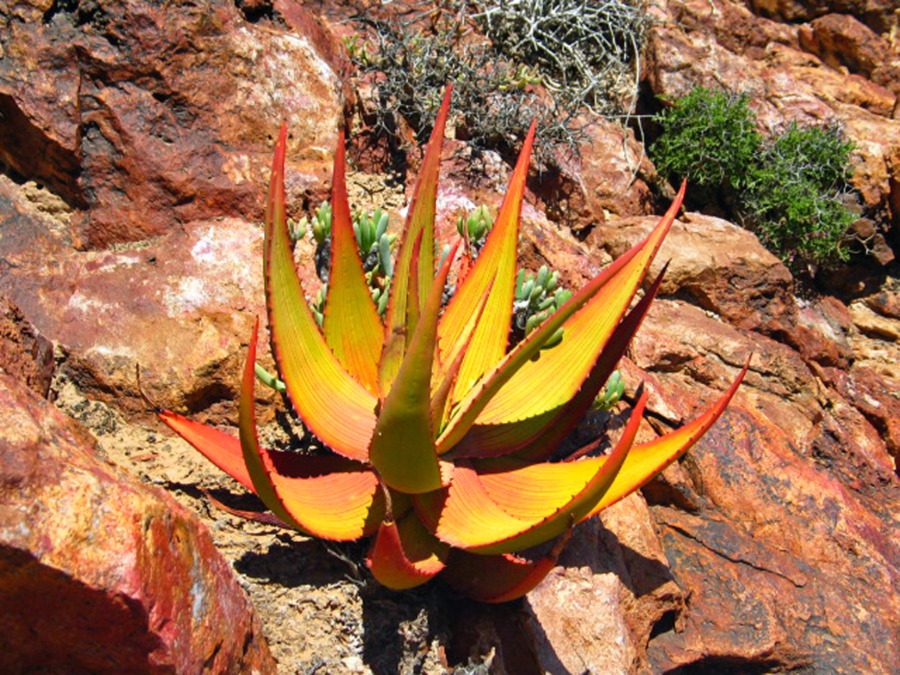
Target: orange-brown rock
(179,307)
(143,117)
(880,15)
(784,563)
(721,266)
(841,40)
(101,574)
(25,354)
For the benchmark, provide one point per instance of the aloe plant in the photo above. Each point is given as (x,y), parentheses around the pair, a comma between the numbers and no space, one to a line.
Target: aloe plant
(440,437)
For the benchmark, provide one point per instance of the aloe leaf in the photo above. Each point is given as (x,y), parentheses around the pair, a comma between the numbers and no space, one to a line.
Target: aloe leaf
(499,578)
(405,555)
(402,448)
(536,438)
(337,504)
(419,223)
(351,326)
(333,405)
(448,372)
(495,267)
(649,459)
(223,450)
(544,383)
(259,466)
(501,505)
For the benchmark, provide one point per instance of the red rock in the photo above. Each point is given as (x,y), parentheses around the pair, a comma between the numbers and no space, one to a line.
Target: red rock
(893,168)
(821,333)
(24,354)
(843,41)
(877,14)
(876,396)
(99,573)
(611,176)
(722,266)
(180,308)
(773,584)
(148,118)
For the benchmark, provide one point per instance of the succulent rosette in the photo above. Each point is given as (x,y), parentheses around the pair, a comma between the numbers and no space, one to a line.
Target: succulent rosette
(442,436)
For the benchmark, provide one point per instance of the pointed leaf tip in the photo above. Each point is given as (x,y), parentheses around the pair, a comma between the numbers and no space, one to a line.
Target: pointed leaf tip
(352,327)
(331,402)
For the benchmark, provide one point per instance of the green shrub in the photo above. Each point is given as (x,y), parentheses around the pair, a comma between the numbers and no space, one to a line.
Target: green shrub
(709,138)
(793,195)
(786,188)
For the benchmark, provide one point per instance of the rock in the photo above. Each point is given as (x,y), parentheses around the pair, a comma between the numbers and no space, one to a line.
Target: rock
(879,15)
(822,330)
(144,119)
(886,301)
(893,164)
(877,396)
(761,576)
(595,612)
(843,41)
(99,573)
(874,324)
(611,176)
(772,584)
(180,307)
(681,349)
(25,354)
(721,266)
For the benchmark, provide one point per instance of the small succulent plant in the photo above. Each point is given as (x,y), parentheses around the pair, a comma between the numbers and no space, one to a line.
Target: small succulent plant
(374,243)
(474,228)
(612,394)
(440,436)
(537,297)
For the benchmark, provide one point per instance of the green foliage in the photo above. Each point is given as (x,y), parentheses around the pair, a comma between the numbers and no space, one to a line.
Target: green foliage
(786,188)
(584,54)
(793,195)
(709,138)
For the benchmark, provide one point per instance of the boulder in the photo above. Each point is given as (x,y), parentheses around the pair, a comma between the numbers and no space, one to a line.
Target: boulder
(144,118)
(772,584)
(610,176)
(720,266)
(877,396)
(880,15)
(843,41)
(99,573)
(596,611)
(179,308)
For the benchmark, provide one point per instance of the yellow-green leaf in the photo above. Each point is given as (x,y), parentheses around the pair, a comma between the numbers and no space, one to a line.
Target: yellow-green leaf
(402,448)
(494,269)
(419,228)
(351,326)
(337,408)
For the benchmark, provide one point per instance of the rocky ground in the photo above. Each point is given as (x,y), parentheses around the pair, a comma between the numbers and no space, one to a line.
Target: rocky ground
(135,141)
